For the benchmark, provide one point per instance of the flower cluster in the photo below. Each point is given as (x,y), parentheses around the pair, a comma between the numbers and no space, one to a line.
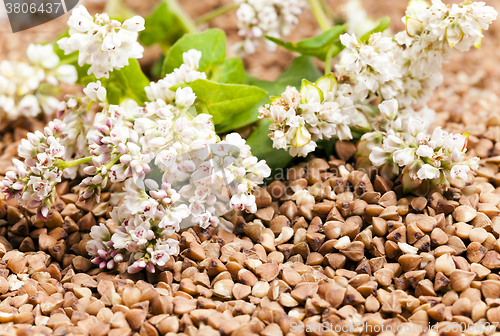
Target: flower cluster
(176,171)
(186,73)
(370,65)
(26,89)
(34,182)
(146,232)
(257,19)
(431,33)
(318,111)
(439,157)
(408,69)
(102,43)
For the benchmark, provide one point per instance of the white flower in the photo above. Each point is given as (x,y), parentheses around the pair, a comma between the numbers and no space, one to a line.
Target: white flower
(425,151)
(378,156)
(259,18)
(415,125)
(428,172)
(42,55)
(192,58)
(459,172)
(102,43)
(389,108)
(95,91)
(28,89)
(404,156)
(184,97)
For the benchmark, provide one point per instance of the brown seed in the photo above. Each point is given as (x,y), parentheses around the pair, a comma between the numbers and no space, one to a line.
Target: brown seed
(336,260)
(371,304)
(344,150)
(241,291)
(45,241)
(384,276)
(493,315)
(276,189)
(414,277)
(267,271)
(278,223)
(478,235)
(265,214)
(491,260)
(4,285)
(426,223)
(303,291)
(410,262)
(489,210)
(445,264)
(354,251)
(419,203)
(21,228)
(440,281)
(439,237)
(54,219)
(388,199)
(379,226)
(262,198)
(398,235)
(437,312)
(464,213)
(382,184)
(490,289)
(224,288)
(246,277)
(290,276)
(136,317)
(480,270)
(81,264)
(461,280)
(17,264)
(461,307)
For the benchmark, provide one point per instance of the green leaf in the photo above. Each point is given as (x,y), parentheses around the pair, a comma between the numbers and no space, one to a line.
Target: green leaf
(131,81)
(231,71)
(211,43)
(162,26)
(383,25)
(223,100)
(317,46)
(301,67)
(262,147)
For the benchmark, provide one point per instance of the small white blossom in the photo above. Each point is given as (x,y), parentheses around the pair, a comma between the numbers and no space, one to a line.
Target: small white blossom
(257,19)
(95,91)
(101,42)
(27,89)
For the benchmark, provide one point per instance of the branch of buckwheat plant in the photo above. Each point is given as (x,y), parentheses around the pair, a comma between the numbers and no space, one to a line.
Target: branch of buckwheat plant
(319,15)
(216,12)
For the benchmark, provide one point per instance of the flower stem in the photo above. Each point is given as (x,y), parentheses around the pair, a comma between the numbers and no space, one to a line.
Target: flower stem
(216,12)
(329,13)
(61,164)
(186,21)
(328,60)
(320,15)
